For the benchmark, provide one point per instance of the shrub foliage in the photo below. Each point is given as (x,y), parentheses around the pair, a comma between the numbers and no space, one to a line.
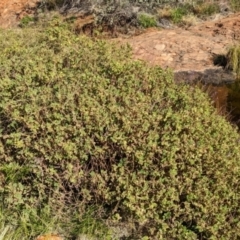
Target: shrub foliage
(233,59)
(82,124)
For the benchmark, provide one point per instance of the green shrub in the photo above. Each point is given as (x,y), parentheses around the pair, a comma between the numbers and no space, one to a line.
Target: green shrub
(25,21)
(199,9)
(82,124)
(178,13)
(233,59)
(147,21)
(206,9)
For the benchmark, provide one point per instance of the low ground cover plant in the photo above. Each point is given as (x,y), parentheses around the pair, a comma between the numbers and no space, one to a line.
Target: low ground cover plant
(177,14)
(84,126)
(147,21)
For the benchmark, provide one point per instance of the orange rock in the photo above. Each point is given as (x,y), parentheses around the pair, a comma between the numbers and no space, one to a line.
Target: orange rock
(49,237)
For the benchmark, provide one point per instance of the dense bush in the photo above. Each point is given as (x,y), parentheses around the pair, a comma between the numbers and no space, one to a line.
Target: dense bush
(82,124)
(177,14)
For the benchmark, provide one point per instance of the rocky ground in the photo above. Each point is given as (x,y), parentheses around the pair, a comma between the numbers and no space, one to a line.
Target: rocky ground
(190,52)
(11,11)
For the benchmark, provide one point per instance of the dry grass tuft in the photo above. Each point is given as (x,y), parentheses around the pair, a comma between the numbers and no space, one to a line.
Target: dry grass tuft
(233,58)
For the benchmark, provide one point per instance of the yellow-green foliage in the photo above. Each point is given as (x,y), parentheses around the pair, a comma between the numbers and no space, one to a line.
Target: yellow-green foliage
(177,14)
(147,21)
(206,9)
(235,5)
(82,124)
(233,57)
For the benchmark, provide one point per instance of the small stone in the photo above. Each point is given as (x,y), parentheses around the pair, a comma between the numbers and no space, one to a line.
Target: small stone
(160,47)
(49,237)
(171,33)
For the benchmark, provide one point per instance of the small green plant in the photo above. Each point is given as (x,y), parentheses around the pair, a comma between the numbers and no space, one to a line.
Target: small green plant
(233,59)
(178,13)
(146,20)
(206,9)
(26,21)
